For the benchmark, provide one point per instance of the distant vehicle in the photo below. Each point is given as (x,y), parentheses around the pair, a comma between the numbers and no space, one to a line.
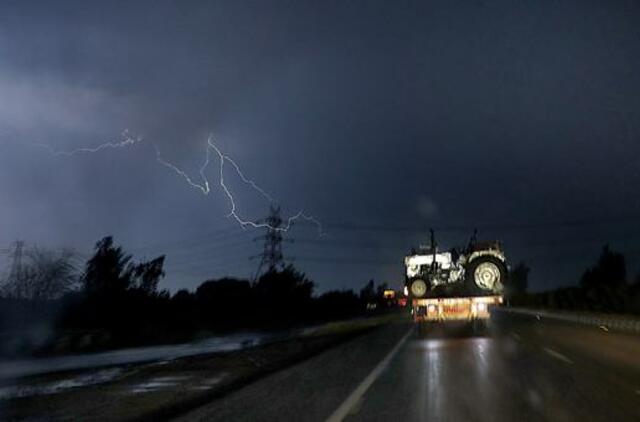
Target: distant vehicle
(393,299)
(455,284)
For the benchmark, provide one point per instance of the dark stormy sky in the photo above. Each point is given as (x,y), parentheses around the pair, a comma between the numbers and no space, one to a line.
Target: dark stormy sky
(382,119)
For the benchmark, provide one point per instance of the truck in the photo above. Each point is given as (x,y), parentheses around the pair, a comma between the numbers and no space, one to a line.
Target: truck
(456,284)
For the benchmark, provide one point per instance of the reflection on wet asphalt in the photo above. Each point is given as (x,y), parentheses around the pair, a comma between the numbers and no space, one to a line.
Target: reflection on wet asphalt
(514,370)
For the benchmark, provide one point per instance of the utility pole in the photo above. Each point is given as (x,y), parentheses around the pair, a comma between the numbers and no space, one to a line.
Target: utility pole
(271,257)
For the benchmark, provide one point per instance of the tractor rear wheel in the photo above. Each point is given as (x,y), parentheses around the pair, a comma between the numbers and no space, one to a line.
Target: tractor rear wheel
(486,273)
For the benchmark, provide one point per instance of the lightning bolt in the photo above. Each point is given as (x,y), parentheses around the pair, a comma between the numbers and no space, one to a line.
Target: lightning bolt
(127,141)
(205,188)
(203,185)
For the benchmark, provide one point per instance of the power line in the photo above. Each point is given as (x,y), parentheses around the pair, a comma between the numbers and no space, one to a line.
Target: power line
(342,260)
(216,249)
(195,241)
(354,226)
(209,261)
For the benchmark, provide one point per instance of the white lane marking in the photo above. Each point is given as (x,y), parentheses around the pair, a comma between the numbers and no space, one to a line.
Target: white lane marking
(604,328)
(354,398)
(557,355)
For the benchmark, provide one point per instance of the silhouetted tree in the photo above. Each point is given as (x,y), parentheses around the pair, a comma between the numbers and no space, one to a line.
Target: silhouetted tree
(368,292)
(518,279)
(225,302)
(47,275)
(111,271)
(610,271)
(147,275)
(183,312)
(604,285)
(338,304)
(120,297)
(284,295)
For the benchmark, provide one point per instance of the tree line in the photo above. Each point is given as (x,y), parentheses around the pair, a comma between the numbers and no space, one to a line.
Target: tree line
(117,302)
(604,287)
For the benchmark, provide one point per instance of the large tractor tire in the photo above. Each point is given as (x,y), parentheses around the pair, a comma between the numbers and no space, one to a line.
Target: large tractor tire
(418,288)
(486,274)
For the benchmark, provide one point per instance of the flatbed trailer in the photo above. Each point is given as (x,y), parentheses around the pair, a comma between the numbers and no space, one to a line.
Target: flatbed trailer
(471,308)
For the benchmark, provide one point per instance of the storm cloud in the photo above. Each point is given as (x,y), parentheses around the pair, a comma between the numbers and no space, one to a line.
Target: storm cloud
(381,119)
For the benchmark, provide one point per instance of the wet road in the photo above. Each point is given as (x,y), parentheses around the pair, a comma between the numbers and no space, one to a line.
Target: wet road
(520,368)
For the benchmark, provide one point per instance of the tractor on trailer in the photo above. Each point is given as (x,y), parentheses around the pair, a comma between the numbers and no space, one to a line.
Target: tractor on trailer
(455,284)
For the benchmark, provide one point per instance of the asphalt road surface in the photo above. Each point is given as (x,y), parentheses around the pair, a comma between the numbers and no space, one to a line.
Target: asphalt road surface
(519,368)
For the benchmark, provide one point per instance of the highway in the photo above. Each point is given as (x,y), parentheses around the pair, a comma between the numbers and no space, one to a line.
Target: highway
(519,368)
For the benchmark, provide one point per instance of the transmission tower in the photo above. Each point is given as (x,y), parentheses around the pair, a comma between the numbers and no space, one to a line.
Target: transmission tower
(14,281)
(271,257)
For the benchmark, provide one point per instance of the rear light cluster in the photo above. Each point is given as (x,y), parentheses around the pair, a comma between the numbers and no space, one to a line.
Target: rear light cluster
(455,308)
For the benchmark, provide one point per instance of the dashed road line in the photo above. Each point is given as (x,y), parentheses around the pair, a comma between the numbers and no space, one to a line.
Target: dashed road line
(557,355)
